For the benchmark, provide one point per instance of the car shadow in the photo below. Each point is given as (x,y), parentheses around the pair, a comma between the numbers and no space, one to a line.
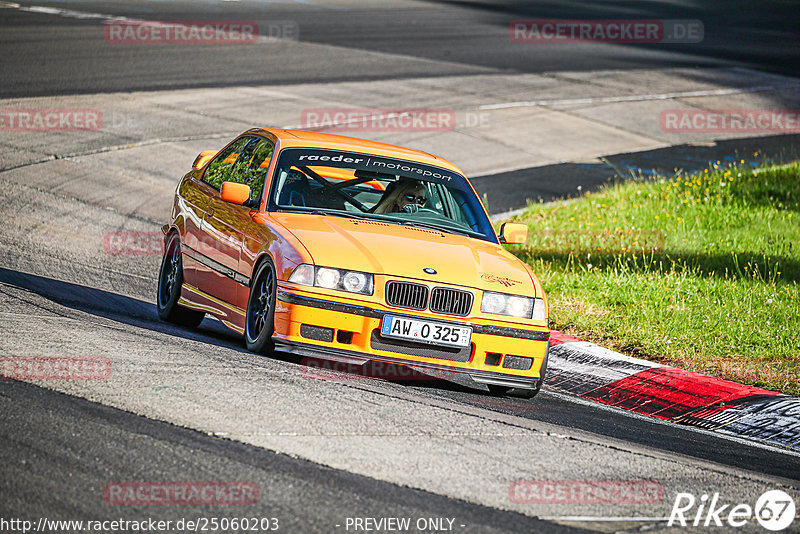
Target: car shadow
(142,314)
(336,371)
(116,307)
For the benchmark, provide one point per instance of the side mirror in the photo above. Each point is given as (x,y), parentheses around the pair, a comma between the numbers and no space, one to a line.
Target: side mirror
(234,193)
(203,158)
(513,233)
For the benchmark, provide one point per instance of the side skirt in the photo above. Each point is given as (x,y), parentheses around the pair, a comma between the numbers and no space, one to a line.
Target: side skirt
(229,315)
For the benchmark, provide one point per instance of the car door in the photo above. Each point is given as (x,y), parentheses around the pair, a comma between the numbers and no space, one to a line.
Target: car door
(195,194)
(225,224)
(208,273)
(193,198)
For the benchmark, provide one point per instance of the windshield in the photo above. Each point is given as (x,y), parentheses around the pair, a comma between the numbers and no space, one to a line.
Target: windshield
(355,185)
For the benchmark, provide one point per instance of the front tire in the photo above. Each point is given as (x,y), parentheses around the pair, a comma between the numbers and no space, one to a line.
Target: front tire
(260,320)
(502,391)
(522,393)
(170,281)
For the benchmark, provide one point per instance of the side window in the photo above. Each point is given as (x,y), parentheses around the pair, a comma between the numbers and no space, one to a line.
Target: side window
(251,166)
(220,168)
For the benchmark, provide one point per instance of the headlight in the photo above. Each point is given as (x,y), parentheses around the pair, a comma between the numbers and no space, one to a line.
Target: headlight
(519,306)
(331,278)
(493,303)
(356,282)
(513,305)
(327,278)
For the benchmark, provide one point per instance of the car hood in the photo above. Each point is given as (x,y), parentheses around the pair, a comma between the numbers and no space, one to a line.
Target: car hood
(395,250)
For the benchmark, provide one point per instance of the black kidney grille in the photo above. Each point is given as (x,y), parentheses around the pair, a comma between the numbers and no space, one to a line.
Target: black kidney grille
(451,301)
(407,295)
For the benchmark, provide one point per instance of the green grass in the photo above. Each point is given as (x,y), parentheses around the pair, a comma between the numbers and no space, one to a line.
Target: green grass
(700,272)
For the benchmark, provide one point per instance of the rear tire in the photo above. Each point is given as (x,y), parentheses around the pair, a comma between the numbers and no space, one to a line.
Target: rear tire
(170,282)
(260,319)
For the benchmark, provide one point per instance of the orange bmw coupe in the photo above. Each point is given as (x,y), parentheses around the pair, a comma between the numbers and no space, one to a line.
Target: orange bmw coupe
(350,250)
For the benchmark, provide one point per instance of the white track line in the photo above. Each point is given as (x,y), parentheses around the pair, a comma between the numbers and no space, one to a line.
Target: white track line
(83,15)
(592,519)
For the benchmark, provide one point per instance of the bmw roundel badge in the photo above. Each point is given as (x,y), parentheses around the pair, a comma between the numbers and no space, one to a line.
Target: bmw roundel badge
(429,270)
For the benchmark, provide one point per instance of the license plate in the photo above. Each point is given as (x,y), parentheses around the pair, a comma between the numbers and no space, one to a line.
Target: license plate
(426,331)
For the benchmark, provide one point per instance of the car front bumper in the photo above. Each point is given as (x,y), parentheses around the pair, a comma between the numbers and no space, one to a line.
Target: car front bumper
(320,327)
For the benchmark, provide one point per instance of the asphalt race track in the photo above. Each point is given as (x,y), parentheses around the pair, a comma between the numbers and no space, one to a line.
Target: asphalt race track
(37,420)
(425,38)
(194,405)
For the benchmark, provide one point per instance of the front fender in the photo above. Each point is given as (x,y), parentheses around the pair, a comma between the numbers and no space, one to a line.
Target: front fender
(283,247)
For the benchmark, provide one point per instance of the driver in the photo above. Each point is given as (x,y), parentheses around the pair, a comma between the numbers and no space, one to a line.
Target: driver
(405,195)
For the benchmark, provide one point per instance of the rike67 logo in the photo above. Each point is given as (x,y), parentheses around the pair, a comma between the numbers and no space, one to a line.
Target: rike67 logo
(774,510)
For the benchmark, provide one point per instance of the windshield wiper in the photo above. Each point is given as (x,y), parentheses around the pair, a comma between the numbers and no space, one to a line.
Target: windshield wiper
(316,211)
(337,213)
